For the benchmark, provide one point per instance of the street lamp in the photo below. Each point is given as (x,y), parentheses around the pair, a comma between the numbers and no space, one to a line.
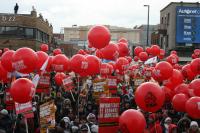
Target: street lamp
(147,25)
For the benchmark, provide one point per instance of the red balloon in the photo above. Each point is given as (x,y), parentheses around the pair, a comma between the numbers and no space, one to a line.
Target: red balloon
(93,65)
(129,117)
(22,90)
(24,60)
(49,65)
(162,52)
(172,59)
(192,107)
(5,49)
(155,50)
(169,94)
(197,52)
(179,101)
(42,57)
(44,47)
(3,72)
(99,36)
(59,78)
(188,73)
(106,69)
(123,49)
(110,52)
(57,51)
(182,88)
(149,97)
(99,54)
(83,74)
(195,65)
(123,40)
(195,85)
(78,63)
(61,63)
(194,56)
(6,60)
(163,70)
(148,50)
(122,64)
(81,51)
(112,64)
(175,80)
(143,56)
(137,50)
(1,52)
(129,59)
(136,58)
(173,52)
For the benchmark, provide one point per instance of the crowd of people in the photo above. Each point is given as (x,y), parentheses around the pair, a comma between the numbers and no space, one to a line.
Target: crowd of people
(78,112)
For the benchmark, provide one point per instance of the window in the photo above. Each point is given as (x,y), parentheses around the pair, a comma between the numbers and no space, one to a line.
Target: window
(2,30)
(29,33)
(168,18)
(39,35)
(162,20)
(10,31)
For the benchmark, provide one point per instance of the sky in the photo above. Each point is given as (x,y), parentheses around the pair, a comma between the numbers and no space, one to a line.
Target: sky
(65,13)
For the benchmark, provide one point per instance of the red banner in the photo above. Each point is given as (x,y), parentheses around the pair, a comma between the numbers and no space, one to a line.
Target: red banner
(109,114)
(112,84)
(26,109)
(68,83)
(9,100)
(44,81)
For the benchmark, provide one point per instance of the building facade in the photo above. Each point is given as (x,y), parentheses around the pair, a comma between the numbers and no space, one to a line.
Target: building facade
(143,34)
(79,34)
(179,27)
(24,30)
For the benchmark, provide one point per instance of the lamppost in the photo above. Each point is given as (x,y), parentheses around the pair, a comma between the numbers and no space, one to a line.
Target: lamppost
(148,6)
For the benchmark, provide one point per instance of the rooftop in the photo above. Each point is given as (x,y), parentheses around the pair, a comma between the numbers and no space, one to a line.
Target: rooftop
(181,2)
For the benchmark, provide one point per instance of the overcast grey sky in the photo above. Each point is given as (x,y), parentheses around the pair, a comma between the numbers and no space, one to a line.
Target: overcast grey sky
(65,13)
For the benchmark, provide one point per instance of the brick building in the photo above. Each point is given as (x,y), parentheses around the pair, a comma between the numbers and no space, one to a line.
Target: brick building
(24,30)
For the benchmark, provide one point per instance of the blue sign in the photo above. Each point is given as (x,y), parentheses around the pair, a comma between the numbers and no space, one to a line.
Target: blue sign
(187,24)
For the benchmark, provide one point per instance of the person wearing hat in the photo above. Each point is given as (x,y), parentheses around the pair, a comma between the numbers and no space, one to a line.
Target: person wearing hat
(168,127)
(5,121)
(84,129)
(92,127)
(65,125)
(194,127)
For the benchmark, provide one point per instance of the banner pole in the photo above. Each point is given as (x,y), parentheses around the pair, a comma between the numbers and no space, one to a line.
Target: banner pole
(78,96)
(72,95)
(25,119)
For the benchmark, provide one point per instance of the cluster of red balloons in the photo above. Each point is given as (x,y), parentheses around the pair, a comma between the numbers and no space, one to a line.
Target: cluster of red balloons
(144,55)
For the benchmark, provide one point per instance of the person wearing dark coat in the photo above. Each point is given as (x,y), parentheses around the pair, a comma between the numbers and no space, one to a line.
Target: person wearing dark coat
(5,121)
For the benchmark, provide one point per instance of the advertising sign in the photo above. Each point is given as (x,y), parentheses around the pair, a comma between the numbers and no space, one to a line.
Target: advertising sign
(187,24)
(109,114)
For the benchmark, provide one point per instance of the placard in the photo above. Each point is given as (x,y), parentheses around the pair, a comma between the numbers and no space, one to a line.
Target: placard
(109,114)
(26,109)
(47,116)
(10,104)
(112,84)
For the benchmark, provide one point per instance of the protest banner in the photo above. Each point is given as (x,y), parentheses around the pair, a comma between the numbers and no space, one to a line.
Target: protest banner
(109,114)
(26,109)
(68,83)
(112,84)
(100,88)
(44,83)
(10,105)
(47,116)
